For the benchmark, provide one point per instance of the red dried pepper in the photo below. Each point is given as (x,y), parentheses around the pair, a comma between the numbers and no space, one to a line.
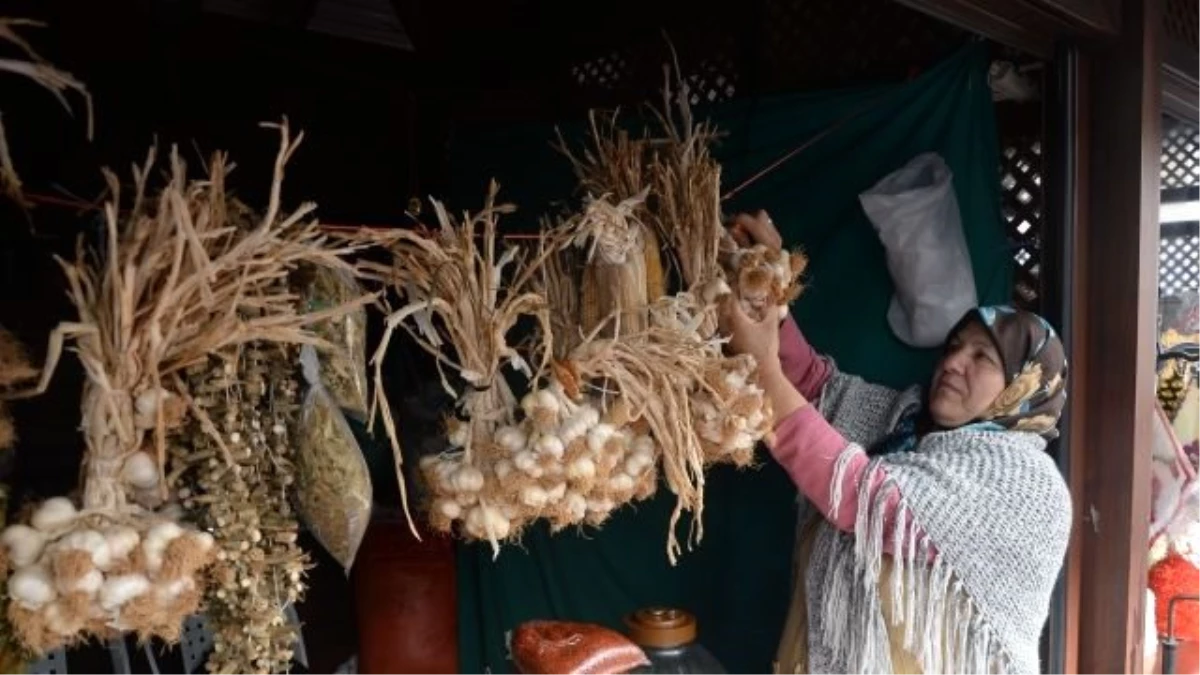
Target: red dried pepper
(573,648)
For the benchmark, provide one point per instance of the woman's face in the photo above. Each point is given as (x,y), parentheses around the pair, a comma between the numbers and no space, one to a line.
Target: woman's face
(968,378)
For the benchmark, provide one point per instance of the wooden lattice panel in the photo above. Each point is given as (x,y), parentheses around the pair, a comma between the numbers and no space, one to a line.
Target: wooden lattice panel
(1022,203)
(1179,263)
(1180,155)
(1181,20)
(811,44)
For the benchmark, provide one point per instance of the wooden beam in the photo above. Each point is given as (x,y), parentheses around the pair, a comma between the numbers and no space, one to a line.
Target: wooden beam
(1115,310)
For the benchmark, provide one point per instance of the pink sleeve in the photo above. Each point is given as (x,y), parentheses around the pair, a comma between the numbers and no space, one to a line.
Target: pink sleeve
(803,366)
(808,449)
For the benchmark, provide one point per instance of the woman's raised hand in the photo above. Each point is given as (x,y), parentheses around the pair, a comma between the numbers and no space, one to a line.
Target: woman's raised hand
(748,230)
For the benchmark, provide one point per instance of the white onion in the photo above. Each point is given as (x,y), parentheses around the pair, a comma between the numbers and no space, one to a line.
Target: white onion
(24,544)
(54,513)
(551,446)
(31,586)
(140,470)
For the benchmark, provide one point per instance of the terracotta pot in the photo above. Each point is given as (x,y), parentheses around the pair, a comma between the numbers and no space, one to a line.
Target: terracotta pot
(406,601)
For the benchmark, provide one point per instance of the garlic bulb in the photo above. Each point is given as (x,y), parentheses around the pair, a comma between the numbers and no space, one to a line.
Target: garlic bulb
(140,470)
(468,479)
(598,436)
(31,586)
(533,496)
(550,446)
(121,541)
(511,439)
(448,508)
(621,482)
(91,542)
(556,493)
(582,468)
(118,590)
(502,469)
(88,583)
(527,461)
(577,505)
(24,544)
(487,522)
(54,513)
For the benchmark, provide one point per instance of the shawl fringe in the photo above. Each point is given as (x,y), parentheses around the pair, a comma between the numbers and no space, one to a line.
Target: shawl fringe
(943,627)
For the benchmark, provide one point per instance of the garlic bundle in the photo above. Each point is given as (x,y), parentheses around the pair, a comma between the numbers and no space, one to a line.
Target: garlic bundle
(76,575)
(571,463)
(763,278)
(732,412)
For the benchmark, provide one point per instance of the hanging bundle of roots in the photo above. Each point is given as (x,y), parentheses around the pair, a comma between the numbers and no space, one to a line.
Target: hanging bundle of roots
(235,484)
(183,275)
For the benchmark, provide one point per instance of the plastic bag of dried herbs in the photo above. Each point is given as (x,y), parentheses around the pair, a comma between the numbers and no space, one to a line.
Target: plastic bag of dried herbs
(344,369)
(333,484)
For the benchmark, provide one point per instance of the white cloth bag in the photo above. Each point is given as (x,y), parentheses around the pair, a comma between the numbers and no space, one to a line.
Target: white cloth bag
(915,212)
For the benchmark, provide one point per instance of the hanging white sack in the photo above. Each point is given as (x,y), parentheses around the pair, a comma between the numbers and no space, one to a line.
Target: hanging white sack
(915,212)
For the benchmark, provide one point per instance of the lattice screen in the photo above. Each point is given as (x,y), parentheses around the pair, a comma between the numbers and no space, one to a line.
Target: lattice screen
(605,72)
(1180,155)
(1182,19)
(1022,202)
(1178,270)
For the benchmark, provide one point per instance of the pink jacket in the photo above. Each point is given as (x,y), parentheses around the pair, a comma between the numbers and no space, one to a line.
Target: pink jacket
(808,447)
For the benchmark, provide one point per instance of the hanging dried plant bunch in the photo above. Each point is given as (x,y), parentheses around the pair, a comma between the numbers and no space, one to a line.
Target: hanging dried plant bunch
(239,492)
(33,67)
(463,297)
(183,275)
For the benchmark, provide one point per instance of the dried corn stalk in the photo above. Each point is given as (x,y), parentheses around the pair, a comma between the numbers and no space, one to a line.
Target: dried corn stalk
(614,274)
(237,489)
(34,67)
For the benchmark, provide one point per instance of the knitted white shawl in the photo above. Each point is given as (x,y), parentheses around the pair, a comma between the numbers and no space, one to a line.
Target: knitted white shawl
(994,507)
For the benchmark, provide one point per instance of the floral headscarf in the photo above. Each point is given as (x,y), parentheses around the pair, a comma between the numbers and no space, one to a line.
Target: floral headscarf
(1035,368)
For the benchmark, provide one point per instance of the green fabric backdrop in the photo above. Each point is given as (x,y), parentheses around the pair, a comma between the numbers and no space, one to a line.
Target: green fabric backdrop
(738,580)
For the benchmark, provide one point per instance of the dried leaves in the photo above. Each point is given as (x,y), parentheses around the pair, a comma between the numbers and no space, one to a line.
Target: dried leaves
(183,275)
(34,67)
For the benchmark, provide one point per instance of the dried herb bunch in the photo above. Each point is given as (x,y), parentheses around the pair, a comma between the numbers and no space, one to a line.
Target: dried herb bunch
(238,489)
(54,80)
(463,297)
(182,275)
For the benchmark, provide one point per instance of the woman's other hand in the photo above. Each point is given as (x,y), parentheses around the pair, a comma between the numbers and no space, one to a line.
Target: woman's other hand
(748,230)
(759,339)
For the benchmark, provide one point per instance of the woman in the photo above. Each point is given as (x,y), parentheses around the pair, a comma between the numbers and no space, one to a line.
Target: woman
(942,522)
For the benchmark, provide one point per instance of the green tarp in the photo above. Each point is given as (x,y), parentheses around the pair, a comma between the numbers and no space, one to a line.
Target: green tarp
(738,580)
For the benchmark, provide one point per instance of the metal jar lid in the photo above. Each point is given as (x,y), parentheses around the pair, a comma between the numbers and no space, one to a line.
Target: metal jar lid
(661,627)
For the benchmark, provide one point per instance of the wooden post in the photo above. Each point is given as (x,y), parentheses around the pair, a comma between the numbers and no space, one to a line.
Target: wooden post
(1114,320)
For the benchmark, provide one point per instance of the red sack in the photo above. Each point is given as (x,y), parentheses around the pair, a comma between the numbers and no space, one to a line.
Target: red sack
(573,648)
